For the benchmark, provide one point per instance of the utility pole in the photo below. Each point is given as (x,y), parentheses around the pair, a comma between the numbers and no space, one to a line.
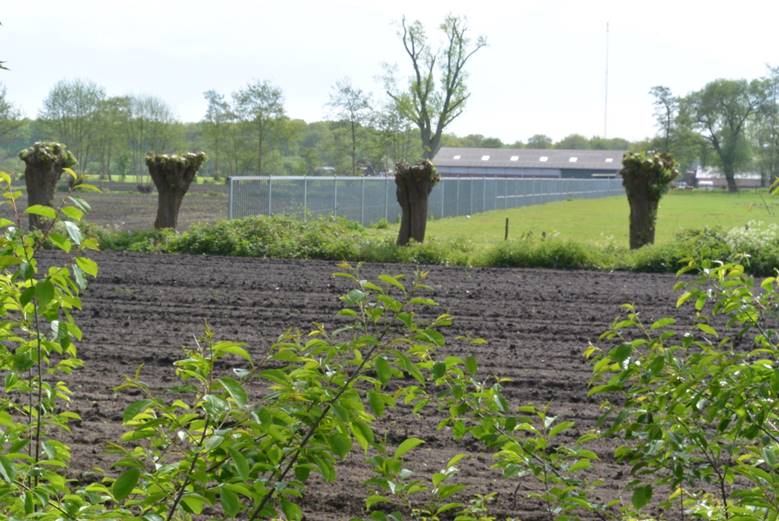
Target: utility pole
(606,89)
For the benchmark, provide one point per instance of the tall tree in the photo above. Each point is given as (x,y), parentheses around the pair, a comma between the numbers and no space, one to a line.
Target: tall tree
(216,123)
(666,111)
(429,103)
(539,141)
(151,128)
(573,142)
(767,130)
(721,112)
(353,107)
(10,116)
(2,63)
(259,105)
(113,117)
(70,114)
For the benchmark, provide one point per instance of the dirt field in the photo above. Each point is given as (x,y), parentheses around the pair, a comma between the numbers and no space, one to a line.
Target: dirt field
(122,207)
(144,307)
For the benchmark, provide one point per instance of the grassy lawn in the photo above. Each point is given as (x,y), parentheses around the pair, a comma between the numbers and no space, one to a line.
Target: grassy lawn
(601,221)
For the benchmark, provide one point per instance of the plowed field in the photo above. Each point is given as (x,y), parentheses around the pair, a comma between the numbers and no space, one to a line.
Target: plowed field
(143,308)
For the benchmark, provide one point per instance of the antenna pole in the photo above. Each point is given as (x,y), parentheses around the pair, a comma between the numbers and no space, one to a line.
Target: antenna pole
(606,89)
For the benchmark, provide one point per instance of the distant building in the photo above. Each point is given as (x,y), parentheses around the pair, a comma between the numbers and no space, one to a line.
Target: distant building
(712,178)
(525,162)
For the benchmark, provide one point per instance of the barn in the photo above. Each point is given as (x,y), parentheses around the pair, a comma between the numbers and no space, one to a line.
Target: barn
(525,162)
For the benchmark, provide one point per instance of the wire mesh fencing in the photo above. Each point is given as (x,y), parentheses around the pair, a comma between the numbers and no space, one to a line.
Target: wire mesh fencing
(370,199)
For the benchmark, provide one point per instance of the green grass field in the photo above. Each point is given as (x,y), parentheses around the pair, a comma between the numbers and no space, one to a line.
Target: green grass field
(604,221)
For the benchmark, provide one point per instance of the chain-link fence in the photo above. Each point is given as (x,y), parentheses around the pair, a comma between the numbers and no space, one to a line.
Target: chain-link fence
(370,199)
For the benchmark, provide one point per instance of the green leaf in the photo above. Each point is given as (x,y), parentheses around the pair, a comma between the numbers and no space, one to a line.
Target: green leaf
(406,446)
(135,408)
(663,323)
(235,390)
(80,203)
(88,266)
(60,241)
(470,364)
(707,329)
(72,213)
(194,502)
(79,277)
(43,211)
(377,402)
(232,348)
(383,370)
(641,496)
(392,281)
(231,505)
(241,464)
(125,483)
(44,292)
(340,444)
(560,427)
(74,232)
(214,406)
(291,511)
(7,471)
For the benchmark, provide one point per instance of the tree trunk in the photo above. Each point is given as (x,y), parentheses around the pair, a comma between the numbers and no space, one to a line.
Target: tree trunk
(643,212)
(41,180)
(413,186)
(730,176)
(172,175)
(168,205)
(44,164)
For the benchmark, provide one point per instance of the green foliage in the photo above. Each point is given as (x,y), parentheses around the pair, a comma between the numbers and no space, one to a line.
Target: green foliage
(53,155)
(275,237)
(38,349)
(648,175)
(696,408)
(541,252)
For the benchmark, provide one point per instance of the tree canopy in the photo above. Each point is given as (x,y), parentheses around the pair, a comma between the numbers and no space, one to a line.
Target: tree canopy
(433,103)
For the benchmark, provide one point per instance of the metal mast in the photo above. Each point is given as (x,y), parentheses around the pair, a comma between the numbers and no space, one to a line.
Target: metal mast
(606,89)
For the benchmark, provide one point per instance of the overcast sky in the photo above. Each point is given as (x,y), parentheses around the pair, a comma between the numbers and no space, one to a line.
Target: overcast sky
(542,72)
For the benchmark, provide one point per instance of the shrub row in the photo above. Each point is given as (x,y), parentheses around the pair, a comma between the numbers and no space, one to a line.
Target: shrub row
(755,244)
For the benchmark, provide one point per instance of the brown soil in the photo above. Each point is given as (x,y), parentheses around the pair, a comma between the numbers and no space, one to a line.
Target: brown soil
(124,208)
(143,308)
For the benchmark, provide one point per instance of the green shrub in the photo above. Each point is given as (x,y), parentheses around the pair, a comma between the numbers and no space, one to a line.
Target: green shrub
(541,253)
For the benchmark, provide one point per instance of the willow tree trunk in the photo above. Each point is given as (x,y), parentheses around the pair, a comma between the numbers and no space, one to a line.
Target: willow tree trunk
(643,214)
(646,177)
(44,164)
(413,186)
(172,175)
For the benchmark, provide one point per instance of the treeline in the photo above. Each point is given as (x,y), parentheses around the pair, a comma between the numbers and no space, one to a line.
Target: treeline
(246,133)
(731,125)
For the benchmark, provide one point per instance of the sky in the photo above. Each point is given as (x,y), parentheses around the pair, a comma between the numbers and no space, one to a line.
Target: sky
(543,70)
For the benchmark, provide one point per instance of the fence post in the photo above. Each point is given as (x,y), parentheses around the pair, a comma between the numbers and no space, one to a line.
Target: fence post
(483,194)
(230,198)
(362,200)
(457,197)
(270,195)
(443,198)
(305,198)
(386,198)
